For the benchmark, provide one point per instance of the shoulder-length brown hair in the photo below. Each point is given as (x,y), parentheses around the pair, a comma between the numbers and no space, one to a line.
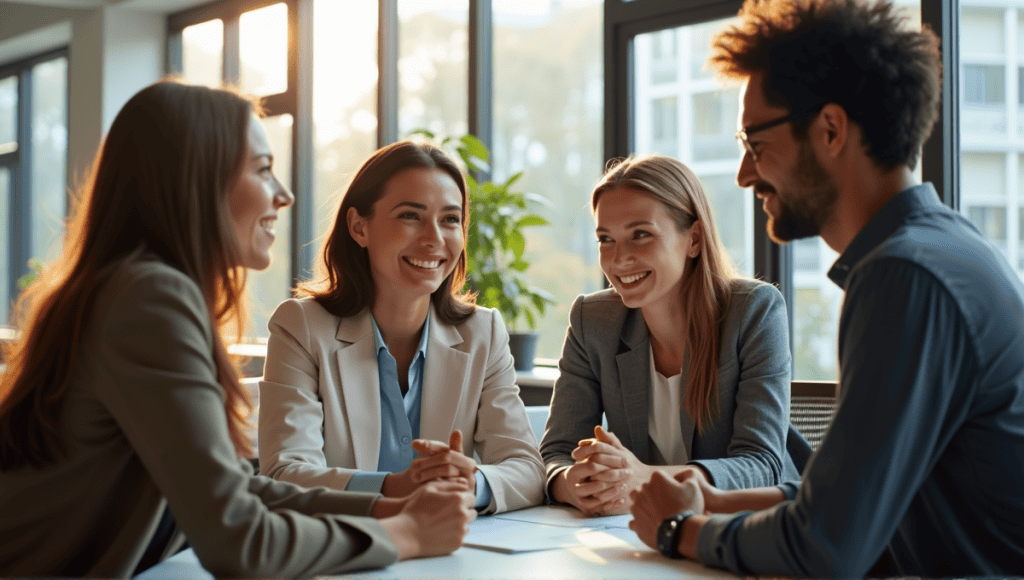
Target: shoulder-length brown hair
(706,289)
(159,184)
(344,285)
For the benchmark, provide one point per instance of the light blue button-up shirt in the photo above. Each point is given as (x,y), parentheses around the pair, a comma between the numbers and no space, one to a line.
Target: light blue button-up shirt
(400,419)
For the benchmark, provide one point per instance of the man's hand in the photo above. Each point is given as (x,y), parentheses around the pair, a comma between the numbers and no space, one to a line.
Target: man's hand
(435,460)
(659,498)
(433,520)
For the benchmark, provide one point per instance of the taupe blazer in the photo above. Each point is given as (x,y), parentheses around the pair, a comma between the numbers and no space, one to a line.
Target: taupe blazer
(145,426)
(320,401)
(605,369)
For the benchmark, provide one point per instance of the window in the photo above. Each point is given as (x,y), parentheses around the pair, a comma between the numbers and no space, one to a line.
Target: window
(247,44)
(992,157)
(33,160)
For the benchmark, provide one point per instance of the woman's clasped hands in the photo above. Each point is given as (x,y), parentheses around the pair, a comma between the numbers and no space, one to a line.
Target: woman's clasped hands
(604,473)
(435,461)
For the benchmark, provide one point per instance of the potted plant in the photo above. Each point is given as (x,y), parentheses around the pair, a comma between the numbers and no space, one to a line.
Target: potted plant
(496,269)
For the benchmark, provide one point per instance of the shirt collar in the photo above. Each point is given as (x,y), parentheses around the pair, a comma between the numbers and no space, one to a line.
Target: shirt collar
(379,338)
(884,223)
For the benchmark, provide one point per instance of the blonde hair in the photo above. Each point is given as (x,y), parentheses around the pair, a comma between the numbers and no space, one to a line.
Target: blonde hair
(707,286)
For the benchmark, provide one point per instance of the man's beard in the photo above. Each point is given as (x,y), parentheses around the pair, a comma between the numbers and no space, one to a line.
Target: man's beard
(803,212)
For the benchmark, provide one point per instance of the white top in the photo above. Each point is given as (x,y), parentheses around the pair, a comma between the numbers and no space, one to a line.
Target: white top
(663,417)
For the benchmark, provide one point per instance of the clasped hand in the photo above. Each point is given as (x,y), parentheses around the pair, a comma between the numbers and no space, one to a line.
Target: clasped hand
(604,473)
(662,497)
(435,460)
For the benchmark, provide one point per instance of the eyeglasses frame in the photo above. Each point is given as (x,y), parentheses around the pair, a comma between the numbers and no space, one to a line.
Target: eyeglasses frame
(743,134)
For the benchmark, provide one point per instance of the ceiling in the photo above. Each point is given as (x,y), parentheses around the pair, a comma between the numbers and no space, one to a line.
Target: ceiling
(163,6)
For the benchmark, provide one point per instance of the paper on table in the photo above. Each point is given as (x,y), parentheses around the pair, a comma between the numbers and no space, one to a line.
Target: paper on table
(510,536)
(566,517)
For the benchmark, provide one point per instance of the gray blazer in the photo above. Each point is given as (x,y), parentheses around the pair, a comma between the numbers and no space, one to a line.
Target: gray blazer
(605,369)
(145,426)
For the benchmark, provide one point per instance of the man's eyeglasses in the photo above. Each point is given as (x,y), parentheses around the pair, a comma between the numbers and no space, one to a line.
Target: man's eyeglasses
(743,134)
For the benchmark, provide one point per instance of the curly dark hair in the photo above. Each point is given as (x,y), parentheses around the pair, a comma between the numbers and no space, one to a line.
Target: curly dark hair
(859,55)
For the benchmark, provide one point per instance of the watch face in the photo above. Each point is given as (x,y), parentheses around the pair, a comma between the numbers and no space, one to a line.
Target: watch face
(666,534)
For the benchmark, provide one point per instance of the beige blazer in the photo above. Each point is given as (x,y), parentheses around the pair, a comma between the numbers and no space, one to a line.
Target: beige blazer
(320,401)
(145,426)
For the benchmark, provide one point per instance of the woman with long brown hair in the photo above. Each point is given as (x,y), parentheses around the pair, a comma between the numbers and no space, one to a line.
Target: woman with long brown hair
(121,416)
(383,375)
(688,363)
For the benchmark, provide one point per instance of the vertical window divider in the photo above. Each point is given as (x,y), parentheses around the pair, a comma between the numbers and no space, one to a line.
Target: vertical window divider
(300,83)
(387,65)
(21,219)
(940,155)
(481,75)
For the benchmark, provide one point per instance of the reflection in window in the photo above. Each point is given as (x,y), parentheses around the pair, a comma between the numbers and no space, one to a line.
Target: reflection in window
(8,115)
(991,220)
(268,288)
(5,202)
(983,84)
(664,57)
(433,48)
(664,126)
(264,50)
(202,58)
(714,121)
(547,124)
(344,105)
(49,157)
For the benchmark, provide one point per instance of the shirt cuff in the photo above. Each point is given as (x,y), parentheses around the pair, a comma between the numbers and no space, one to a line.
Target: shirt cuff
(789,489)
(716,542)
(483,492)
(371,481)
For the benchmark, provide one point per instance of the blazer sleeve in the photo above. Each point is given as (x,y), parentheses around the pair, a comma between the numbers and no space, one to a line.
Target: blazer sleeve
(164,395)
(576,405)
(291,424)
(503,437)
(756,453)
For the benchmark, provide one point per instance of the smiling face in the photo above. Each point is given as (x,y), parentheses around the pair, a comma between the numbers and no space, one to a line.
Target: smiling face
(414,236)
(255,198)
(797,193)
(643,253)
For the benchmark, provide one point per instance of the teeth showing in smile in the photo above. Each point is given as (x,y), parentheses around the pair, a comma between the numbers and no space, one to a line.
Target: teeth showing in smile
(423,263)
(633,278)
(268,224)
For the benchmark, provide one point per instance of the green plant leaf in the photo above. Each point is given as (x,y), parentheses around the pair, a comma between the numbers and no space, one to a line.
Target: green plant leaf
(475,148)
(516,243)
(531,220)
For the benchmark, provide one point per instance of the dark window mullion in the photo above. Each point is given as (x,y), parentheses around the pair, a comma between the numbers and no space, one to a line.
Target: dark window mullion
(481,73)
(21,218)
(300,84)
(940,156)
(232,51)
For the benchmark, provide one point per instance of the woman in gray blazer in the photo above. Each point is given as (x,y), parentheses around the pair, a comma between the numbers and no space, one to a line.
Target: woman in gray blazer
(688,363)
(122,420)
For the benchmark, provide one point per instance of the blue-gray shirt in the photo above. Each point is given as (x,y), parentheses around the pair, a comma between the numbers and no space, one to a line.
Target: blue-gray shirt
(923,465)
(400,419)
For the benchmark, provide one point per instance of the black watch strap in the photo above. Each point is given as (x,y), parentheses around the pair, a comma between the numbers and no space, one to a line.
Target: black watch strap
(669,531)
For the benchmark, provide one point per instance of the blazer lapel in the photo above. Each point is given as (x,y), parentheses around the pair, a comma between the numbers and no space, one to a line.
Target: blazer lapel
(360,388)
(444,383)
(635,382)
(686,424)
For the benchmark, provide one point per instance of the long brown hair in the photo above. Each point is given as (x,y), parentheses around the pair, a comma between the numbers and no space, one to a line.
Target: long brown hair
(159,184)
(706,288)
(344,285)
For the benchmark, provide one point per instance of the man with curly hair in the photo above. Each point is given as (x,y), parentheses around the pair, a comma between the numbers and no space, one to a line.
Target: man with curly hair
(922,470)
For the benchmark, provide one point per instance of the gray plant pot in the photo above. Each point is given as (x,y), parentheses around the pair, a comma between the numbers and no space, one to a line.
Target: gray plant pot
(524,349)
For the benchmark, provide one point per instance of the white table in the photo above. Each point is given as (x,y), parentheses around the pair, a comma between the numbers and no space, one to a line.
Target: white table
(601,553)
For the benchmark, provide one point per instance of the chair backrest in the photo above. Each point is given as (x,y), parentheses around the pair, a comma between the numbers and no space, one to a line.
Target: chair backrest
(812,404)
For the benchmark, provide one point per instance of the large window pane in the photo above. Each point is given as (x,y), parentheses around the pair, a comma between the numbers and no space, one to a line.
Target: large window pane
(992,124)
(547,124)
(344,101)
(5,232)
(263,46)
(267,289)
(689,116)
(48,188)
(8,115)
(202,58)
(433,61)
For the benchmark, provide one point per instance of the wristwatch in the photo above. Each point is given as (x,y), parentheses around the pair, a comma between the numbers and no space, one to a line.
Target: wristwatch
(669,531)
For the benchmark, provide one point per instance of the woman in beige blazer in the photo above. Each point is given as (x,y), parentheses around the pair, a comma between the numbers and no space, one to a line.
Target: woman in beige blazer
(121,417)
(383,358)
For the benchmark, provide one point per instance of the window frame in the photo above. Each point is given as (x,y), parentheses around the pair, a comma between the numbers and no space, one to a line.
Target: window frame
(626,19)
(19,165)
